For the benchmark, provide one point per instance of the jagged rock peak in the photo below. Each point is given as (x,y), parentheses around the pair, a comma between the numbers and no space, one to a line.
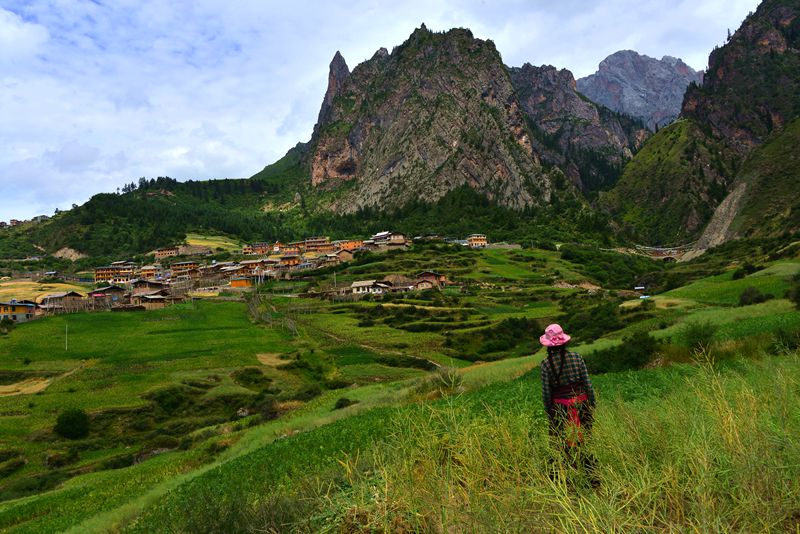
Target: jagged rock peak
(641,86)
(337,75)
(381,53)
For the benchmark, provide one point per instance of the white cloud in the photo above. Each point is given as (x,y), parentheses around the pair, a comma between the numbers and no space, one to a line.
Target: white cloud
(19,40)
(94,95)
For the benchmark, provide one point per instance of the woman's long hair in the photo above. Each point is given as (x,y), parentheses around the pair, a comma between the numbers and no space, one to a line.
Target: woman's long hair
(556,354)
(559,351)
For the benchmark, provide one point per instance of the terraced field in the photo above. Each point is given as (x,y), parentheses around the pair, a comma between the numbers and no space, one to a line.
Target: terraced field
(194,409)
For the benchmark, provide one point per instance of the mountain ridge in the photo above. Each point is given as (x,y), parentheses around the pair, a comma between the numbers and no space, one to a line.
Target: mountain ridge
(638,85)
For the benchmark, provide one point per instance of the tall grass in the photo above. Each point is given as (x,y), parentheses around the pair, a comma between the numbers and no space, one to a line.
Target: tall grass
(719,454)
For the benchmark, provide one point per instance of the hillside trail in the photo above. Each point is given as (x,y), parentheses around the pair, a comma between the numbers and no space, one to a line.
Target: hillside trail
(30,386)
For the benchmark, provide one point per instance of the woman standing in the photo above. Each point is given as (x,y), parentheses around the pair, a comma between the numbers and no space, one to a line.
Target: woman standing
(566,389)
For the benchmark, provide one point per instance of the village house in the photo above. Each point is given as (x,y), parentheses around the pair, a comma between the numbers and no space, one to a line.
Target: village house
(3,224)
(290,248)
(119,272)
(140,287)
(289,261)
(17,311)
(151,272)
(242,282)
(250,267)
(389,239)
(344,255)
(477,241)
(369,287)
(194,250)
(62,302)
(183,266)
(439,280)
(350,244)
(150,300)
(320,244)
(257,249)
(166,252)
(107,296)
(424,285)
(15,222)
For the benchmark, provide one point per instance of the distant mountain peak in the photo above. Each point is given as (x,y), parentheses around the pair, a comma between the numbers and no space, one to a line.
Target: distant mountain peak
(643,87)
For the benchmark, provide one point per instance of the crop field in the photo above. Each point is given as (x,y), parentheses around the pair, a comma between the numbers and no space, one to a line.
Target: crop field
(214,242)
(29,290)
(282,409)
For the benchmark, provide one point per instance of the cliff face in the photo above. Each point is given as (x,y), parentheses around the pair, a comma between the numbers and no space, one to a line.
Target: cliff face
(640,86)
(442,111)
(588,142)
(673,186)
(435,114)
(751,88)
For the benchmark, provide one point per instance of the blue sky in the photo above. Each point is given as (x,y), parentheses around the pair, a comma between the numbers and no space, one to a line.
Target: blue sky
(95,94)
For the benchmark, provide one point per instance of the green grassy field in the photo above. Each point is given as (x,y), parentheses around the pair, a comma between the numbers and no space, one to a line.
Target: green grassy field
(170,450)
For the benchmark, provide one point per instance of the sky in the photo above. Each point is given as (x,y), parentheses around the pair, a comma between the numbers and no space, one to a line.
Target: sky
(97,93)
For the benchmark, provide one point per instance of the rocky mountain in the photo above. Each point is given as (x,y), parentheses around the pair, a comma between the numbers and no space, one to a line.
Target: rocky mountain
(711,163)
(641,86)
(590,143)
(443,111)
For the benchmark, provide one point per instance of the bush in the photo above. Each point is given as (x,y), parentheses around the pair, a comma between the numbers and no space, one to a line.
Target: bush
(699,336)
(635,352)
(72,424)
(786,341)
(753,295)
(59,459)
(343,402)
(794,295)
(308,392)
(11,466)
(744,270)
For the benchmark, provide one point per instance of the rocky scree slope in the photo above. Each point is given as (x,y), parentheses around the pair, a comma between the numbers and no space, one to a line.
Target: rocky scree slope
(643,87)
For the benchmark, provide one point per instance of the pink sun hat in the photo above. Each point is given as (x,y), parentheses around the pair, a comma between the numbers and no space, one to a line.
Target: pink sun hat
(554,336)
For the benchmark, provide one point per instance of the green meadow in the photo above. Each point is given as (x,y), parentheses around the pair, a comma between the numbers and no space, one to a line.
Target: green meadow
(417,412)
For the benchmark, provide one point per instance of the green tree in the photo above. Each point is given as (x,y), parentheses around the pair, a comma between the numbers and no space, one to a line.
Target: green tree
(72,424)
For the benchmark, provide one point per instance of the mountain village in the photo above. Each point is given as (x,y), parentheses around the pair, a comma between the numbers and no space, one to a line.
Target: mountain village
(126,286)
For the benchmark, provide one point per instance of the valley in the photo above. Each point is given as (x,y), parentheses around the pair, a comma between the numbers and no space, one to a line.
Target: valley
(218,389)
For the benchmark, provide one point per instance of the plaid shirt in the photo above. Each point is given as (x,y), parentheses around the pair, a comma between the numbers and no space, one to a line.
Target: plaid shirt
(573,372)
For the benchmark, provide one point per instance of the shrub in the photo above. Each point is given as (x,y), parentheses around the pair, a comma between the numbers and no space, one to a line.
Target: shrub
(794,294)
(744,270)
(337,383)
(266,408)
(72,424)
(308,392)
(636,351)
(786,341)
(699,336)
(6,325)
(118,462)
(753,295)
(11,466)
(61,458)
(343,402)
